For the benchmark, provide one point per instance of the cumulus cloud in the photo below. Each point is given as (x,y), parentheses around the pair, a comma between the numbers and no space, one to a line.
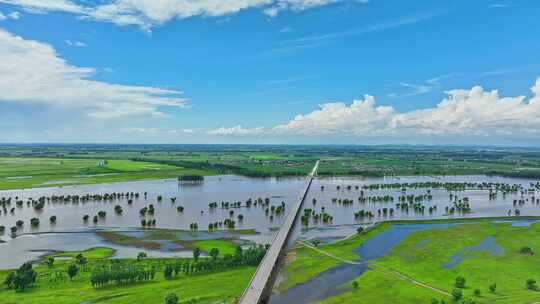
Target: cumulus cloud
(361,117)
(32,72)
(237,131)
(147,13)
(474,112)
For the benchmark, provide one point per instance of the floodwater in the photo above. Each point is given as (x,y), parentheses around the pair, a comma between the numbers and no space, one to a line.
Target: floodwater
(70,233)
(195,200)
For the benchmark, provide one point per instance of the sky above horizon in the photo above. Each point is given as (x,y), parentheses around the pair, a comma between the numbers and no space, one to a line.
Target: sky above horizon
(270,71)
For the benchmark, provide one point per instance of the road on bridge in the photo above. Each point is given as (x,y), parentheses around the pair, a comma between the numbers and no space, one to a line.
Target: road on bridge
(260,286)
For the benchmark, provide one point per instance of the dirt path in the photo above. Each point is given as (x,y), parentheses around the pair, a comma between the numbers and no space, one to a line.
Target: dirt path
(380,269)
(330,255)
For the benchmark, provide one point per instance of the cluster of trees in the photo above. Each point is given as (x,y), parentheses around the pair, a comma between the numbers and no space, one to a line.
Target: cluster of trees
(242,257)
(121,274)
(311,214)
(21,279)
(191,178)
(457,293)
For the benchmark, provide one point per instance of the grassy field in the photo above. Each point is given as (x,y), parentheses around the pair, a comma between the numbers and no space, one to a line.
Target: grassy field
(128,162)
(224,246)
(42,172)
(219,287)
(420,257)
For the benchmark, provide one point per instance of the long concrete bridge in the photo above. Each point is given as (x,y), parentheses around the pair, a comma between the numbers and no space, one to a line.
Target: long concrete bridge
(262,282)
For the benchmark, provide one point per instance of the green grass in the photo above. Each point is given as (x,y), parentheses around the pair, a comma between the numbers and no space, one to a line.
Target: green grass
(92,253)
(224,246)
(131,162)
(389,291)
(219,287)
(509,270)
(150,238)
(42,172)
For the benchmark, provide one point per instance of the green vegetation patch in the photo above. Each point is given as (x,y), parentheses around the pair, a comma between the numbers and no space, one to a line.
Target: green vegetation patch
(413,273)
(92,253)
(225,246)
(29,172)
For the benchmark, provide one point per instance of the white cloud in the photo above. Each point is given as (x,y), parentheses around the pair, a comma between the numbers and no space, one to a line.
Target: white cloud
(295,5)
(32,72)
(47,5)
(416,90)
(147,13)
(14,15)
(500,5)
(419,89)
(474,112)
(237,131)
(361,117)
(75,43)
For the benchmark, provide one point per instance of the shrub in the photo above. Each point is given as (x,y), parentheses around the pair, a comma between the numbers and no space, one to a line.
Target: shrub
(457,294)
(171,299)
(531,284)
(526,250)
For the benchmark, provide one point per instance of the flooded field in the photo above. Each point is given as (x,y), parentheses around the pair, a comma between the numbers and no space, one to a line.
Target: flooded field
(257,207)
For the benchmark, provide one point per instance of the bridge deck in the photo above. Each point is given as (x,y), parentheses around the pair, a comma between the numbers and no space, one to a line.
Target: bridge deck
(261,283)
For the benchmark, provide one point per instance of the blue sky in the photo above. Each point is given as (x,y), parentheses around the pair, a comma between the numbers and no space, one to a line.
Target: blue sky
(270,71)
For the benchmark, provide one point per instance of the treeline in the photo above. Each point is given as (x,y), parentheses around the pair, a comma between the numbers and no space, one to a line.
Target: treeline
(220,168)
(366,173)
(516,174)
(191,178)
(120,273)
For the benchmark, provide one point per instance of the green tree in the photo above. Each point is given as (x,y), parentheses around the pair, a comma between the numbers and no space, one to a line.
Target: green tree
(493,287)
(72,271)
(80,259)
(531,284)
(526,250)
(171,299)
(355,285)
(477,292)
(141,255)
(214,253)
(196,254)
(49,262)
(21,279)
(168,272)
(457,294)
(460,282)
